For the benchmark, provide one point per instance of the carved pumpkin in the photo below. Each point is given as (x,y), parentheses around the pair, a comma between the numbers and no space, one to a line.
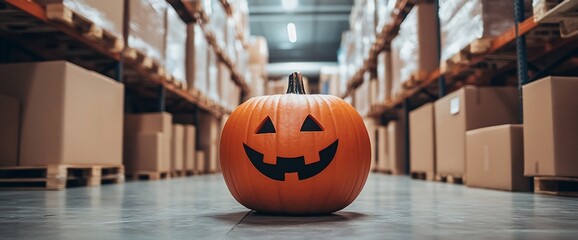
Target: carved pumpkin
(295,153)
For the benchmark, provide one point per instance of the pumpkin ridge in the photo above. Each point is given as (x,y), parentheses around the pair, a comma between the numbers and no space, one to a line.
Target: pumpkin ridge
(354,192)
(356,123)
(247,170)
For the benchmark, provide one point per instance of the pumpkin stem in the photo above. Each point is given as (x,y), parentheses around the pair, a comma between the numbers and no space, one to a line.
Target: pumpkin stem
(295,84)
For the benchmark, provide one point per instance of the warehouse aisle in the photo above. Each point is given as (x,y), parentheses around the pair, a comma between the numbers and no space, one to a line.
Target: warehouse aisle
(201,208)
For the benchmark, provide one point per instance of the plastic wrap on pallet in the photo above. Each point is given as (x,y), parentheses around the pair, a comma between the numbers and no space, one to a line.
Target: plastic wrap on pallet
(105,14)
(217,21)
(147,27)
(176,39)
(241,16)
(463,21)
(197,56)
(241,56)
(230,38)
(368,27)
(405,51)
(383,10)
(414,50)
(383,76)
(213,83)
(224,77)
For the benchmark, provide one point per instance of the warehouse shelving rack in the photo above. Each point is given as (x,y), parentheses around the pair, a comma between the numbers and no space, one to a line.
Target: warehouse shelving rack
(529,47)
(24,25)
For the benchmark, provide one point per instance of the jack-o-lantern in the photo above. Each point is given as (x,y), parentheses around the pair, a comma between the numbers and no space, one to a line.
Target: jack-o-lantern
(295,153)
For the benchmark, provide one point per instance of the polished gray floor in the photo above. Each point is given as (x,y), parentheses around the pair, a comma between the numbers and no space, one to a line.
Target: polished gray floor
(202,208)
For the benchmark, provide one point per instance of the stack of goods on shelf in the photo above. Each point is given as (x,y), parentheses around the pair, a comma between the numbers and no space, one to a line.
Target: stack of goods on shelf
(550,133)
(197,52)
(361,95)
(258,59)
(60,115)
(208,137)
(175,48)
(414,50)
(148,145)
(467,28)
(105,18)
(384,78)
(396,163)
(468,109)
(382,150)
(350,59)
(422,142)
(329,80)
(146,34)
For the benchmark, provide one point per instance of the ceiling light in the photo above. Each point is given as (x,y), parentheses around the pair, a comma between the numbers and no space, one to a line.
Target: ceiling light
(290,4)
(292,32)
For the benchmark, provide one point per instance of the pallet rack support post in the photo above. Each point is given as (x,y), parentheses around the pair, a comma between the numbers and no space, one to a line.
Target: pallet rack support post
(161,101)
(119,71)
(521,55)
(406,110)
(442,88)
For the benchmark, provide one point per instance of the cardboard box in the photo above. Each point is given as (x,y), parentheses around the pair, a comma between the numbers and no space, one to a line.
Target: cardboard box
(69,115)
(396,147)
(200,165)
(208,140)
(467,109)
(145,152)
(550,127)
(196,59)
(382,152)
(177,147)
(258,51)
(9,130)
(189,148)
(371,131)
(136,124)
(495,158)
(146,27)
(422,140)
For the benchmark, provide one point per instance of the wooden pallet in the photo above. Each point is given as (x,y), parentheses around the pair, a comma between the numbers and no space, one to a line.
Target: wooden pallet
(190,172)
(456,179)
(560,186)
(463,57)
(564,12)
(392,172)
(426,176)
(148,175)
(57,177)
(60,13)
(179,173)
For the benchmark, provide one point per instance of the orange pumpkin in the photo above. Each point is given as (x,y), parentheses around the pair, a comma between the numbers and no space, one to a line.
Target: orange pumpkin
(295,153)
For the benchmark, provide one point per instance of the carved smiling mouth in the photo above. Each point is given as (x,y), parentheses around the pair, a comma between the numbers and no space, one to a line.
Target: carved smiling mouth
(291,165)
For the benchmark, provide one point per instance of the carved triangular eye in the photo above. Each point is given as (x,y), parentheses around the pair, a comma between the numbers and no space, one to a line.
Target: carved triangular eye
(310,125)
(266,126)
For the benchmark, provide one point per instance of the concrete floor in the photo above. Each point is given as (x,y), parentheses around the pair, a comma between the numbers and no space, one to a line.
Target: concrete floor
(202,208)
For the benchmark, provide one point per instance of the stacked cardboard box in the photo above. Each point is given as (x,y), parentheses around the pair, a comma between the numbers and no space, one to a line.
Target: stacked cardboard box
(467,109)
(414,50)
(550,129)
(495,158)
(329,80)
(10,129)
(190,149)
(69,115)
(396,147)
(382,149)
(209,132)
(177,148)
(372,132)
(422,141)
(148,142)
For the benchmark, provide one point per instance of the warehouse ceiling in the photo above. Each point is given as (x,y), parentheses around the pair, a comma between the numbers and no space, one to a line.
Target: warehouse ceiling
(318,25)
